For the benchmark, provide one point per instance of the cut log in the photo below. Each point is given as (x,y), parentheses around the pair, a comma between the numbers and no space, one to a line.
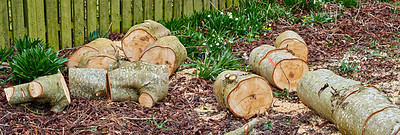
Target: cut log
(292,41)
(247,128)
(140,36)
(167,51)
(18,94)
(90,83)
(244,94)
(51,89)
(147,80)
(96,60)
(99,45)
(278,66)
(353,107)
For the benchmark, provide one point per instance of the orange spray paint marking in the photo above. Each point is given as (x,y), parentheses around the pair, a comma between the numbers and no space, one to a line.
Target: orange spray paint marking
(272,62)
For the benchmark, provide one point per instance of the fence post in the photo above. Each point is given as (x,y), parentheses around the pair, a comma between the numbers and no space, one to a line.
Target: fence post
(187,7)
(79,25)
(17,14)
(148,9)
(158,9)
(198,5)
(137,11)
(91,9)
(104,18)
(66,36)
(115,16)
(4,37)
(168,9)
(52,23)
(177,8)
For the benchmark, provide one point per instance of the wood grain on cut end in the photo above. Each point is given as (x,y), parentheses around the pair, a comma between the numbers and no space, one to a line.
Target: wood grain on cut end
(75,57)
(134,44)
(146,100)
(288,72)
(35,89)
(96,60)
(298,48)
(9,92)
(251,96)
(65,88)
(160,56)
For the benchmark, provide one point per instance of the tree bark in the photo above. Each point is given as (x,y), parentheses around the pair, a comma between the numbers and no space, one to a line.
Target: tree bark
(167,51)
(353,107)
(247,128)
(243,93)
(278,66)
(292,41)
(140,36)
(18,94)
(90,83)
(99,45)
(138,78)
(51,89)
(96,60)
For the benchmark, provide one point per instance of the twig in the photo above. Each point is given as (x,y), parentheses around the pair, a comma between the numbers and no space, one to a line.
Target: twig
(359,8)
(214,5)
(129,118)
(109,27)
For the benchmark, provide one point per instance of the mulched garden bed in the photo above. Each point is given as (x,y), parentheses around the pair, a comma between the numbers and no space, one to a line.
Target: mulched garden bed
(191,108)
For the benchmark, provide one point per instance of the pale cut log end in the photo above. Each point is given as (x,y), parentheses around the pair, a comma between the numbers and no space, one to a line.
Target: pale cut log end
(250,97)
(134,44)
(298,48)
(35,89)
(75,57)
(65,87)
(287,73)
(9,92)
(161,56)
(146,100)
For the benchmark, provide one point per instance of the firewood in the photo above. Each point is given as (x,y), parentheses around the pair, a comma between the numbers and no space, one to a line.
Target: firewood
(354,108)
(292,41)
(140,36)
(96,60)
(90,83)
(278,66)
(18,94)
(167,51)
(247,128)
(127,80)
(51,89)
(246,95)
(99,45)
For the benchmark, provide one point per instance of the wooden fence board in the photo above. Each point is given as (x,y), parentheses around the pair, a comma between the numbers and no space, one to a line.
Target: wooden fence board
(214,4)
(229,3)
(115,16)
(148,9)
(168,9)
(66,36)
(4,37)
(137,11)
(79,24)
(222,5)
(126,13)
(17,14)
(91,15)
(236,2)
(177,8)
(31,18)
(52,24)
(187,7)
(104,17)
(158,9)
(206,4)
(198,5)
(40,18)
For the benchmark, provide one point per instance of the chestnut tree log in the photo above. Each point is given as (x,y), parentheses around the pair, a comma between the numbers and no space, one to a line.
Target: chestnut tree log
(96,60)
(245,94)
(354,108)
(127,80)
(18,94)
(278,66)
(99,45)
(167,51)
(292,41)
(51,89)
(90,83)
(140,36)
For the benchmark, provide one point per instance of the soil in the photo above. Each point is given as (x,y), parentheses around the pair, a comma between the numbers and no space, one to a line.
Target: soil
(191,107)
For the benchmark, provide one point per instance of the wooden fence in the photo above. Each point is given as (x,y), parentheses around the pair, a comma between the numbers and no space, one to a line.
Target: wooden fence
(65,23)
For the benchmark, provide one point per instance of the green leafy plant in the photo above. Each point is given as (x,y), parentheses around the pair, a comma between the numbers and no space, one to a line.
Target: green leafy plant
(296,5)
(26,42)
(349,3)
(35,62)
(317,18)
(153,122)
(347,69)
(282,94)
(268,125)
(97,34)
(5,54)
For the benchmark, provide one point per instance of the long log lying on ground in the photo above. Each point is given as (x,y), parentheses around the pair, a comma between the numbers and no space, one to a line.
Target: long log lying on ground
(292,41)
(278,66)
(140,36)
(353,107)
(18,94)
(96,60)
(130,79)
(167,51)
(99,45)
(90,83)
(243,93)
(51,89)
(247,128)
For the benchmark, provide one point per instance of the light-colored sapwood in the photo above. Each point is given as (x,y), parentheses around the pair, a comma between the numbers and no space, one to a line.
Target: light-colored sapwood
(292,41)
(90,83)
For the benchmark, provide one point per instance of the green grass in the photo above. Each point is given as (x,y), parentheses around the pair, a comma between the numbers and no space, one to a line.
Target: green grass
(347,68)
